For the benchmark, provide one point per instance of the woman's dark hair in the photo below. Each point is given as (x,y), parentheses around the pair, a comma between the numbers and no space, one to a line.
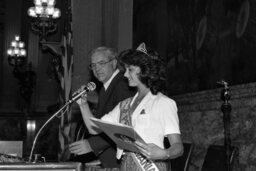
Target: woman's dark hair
(152,68)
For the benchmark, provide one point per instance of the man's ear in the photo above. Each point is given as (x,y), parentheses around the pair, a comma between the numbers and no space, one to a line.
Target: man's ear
(114,62)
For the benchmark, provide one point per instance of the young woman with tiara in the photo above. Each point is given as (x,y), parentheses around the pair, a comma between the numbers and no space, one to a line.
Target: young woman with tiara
(152,114)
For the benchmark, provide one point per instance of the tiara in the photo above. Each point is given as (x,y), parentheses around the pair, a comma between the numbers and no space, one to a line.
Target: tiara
(142,48)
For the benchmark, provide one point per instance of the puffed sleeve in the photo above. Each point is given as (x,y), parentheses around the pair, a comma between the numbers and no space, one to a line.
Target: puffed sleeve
(112,116)
(169,116)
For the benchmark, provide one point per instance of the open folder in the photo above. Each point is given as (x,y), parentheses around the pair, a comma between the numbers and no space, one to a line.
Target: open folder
(123,135)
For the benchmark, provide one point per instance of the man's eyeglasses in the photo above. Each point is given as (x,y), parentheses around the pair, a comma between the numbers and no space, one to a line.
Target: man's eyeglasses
(100,64)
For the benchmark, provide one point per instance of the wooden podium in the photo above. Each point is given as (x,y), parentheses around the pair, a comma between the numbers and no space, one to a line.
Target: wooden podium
(64,166)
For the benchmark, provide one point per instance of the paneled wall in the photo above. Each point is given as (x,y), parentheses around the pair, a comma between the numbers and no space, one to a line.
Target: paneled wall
(16,22)
(87,32)
(201,122)
(99,23)
(9,89)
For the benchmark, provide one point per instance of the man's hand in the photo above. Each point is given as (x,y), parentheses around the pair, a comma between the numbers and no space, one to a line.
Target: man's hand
(80,147)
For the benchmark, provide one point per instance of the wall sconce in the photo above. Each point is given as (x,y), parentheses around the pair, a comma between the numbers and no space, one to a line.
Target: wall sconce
(16,53)
(44,17)
(17,58)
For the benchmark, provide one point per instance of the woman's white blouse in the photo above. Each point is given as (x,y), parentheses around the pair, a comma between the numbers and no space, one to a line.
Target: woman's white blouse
(155,117)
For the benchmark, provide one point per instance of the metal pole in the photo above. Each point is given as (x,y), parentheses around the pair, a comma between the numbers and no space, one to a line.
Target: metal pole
(226,110)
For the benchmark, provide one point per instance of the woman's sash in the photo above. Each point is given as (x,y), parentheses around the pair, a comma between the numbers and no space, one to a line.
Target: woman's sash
(125,118)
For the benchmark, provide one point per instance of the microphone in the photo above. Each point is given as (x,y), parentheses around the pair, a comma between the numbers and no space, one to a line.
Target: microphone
(222,83)
(89,87)
(225,93)
(77,94)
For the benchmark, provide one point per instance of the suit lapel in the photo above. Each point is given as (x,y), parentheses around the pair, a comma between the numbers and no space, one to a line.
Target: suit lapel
(105,96)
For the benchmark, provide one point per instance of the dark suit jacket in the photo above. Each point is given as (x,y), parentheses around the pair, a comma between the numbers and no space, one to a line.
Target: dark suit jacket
(102,146)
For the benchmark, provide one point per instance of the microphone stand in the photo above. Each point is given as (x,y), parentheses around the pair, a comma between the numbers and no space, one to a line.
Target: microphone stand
(40,130)
(226,110)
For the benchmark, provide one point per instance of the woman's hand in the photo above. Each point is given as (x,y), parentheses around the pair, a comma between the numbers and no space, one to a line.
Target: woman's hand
(83,99)
(151,151)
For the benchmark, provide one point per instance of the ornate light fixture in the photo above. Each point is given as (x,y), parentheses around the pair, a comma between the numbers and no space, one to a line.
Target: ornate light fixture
(44,17)
(27,79)
(16,53)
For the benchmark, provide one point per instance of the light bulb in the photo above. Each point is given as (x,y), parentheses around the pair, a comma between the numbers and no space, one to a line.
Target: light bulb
(37,2)
(32,12)
(44,1)
(56,13)
(16,51)
(39,10)
(49,10)
(51,2)
(17,38)
(22,52)
(13,43)
(21,45)
(9,52)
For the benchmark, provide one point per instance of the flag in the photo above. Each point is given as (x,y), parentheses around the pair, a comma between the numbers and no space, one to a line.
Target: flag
(65,77)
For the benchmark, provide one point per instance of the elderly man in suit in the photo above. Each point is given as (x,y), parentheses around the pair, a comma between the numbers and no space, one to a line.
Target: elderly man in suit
(115,88)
